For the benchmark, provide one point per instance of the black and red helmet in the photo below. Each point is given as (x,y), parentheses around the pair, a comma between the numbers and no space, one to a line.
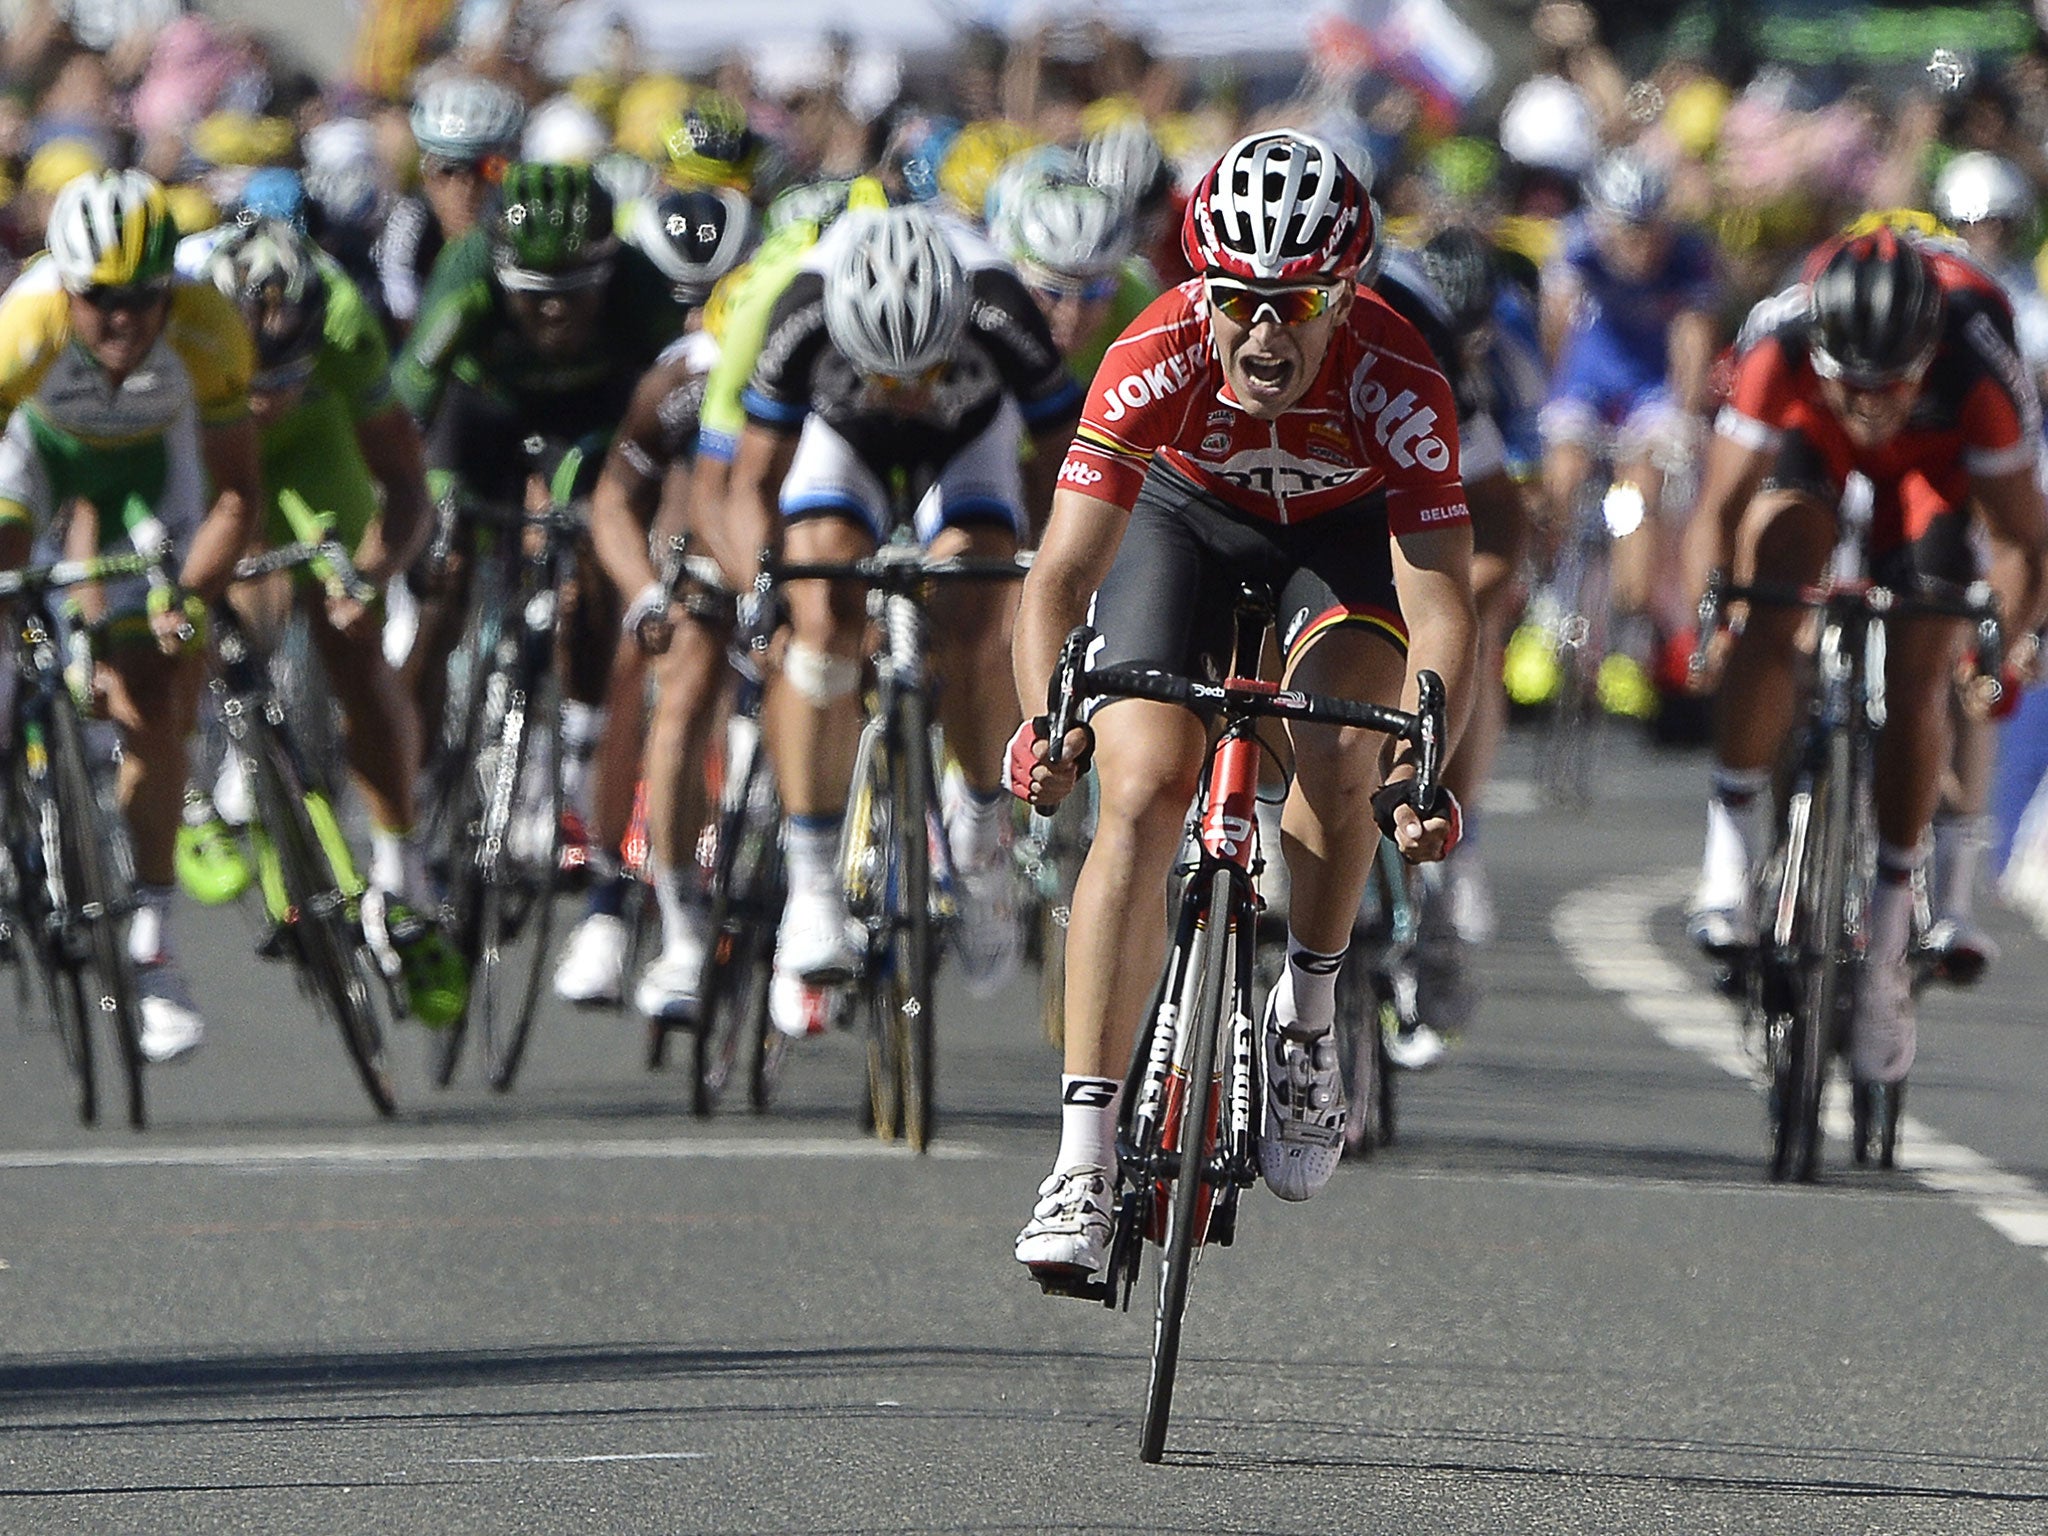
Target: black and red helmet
(1278,207)
(1874,309)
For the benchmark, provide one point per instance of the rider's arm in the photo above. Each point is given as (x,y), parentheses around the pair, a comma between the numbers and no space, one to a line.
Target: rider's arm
(1079,546)
(457,301)
(1691,359)
(391,446)
(759,466)
(1740,452)
(1560,297)
(2013,507)
(1433,576)
(1010,328)
(623,505)
(232,462)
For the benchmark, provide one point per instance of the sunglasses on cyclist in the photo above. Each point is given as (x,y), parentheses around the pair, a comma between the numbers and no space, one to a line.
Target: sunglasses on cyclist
(1242,304)
(1863,382)
(131,299)
(1055,288)
(434,168)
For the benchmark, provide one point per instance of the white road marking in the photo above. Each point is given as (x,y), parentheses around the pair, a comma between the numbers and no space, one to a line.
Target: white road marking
(344,1156)
(574,1461)
(1605,931)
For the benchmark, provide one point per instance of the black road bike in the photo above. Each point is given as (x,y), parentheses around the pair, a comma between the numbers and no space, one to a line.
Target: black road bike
(1187,1133)
(1813,891)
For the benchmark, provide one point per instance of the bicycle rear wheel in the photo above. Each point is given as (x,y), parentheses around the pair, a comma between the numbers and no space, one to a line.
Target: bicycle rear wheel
(515,910)
(104,973)
(335,964)
(1207,972)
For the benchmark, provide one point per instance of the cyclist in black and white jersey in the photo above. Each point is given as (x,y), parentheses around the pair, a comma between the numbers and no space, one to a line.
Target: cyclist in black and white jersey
(467,128)
(904,348)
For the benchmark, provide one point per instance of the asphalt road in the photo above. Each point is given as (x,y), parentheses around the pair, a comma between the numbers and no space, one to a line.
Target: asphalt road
(1565,1301)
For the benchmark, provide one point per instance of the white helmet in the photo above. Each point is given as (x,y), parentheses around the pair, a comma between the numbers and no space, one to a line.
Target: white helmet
(896,297)
(1974,187)
(694,237)
(111,229)
(1546,125)
(1056,219)
(1627,188)
(563,131)
(465,117)
(1126,162)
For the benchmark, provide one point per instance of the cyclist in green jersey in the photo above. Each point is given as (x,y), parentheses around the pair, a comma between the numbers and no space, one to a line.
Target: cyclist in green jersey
(126,391)
(1070,241)
(332,432)
(536,328)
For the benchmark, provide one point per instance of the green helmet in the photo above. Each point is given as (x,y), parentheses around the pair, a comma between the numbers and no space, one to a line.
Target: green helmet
(553,230)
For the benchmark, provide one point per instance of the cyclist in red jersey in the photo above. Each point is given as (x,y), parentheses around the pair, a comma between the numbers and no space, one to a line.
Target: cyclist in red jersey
(1270,421)
(1894,360)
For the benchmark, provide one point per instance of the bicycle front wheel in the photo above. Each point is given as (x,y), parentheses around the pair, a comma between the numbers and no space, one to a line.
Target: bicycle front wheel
(1817,857)
(1187,1211)
(746,905)
(515,907)
(333,960)
(910,964)
(104,978)
(28,846)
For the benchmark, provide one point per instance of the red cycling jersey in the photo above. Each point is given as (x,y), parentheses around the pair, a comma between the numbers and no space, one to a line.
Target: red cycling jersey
(1379,417)
(1976,413)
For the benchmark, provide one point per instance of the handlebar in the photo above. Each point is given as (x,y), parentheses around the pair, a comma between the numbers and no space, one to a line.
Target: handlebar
(1073,682)
(1976,602)
(340,576)
(899,572)
(76,573)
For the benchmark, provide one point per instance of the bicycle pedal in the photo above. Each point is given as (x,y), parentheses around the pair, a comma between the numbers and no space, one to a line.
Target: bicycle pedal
(275,943)
(1077,1283)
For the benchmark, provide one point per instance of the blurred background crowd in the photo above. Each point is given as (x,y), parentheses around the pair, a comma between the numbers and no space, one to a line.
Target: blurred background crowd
(1776,123)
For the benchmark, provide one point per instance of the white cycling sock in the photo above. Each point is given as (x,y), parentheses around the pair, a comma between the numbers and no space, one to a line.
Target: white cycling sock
(812,846)
(149,930)
(1960,843)
(1306,1004)
(1735,831)
(974,824)
(582,725)
(685,916)
(397,866)
(1088,1108)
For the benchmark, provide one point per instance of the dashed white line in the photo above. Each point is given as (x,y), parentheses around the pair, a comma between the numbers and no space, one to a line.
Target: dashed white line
(342,1156)
(574,1461)
(1605,931)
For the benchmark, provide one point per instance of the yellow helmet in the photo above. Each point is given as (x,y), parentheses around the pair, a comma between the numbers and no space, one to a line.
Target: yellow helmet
(111,230)
(58,162)
(191,208)
(974,157)
(1907,221)
(236,138)
(710,144)
(647,109)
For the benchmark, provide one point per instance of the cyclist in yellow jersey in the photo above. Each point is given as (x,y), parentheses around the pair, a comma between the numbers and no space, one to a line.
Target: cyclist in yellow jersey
(127,391)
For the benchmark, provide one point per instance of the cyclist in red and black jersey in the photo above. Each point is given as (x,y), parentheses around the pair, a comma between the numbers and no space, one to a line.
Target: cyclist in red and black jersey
(1271,421)
(1895,360)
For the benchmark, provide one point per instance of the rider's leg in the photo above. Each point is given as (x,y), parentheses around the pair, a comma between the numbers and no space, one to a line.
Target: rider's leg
(1961,838)
(1786,537)
(382,745)
(689,702)
(1329,835)
(813,721)
(1912,750)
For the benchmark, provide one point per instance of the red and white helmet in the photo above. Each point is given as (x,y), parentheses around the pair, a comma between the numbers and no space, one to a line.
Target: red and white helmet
(1278,207)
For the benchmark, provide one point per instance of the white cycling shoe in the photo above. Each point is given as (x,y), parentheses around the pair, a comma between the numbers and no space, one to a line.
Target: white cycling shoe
(671,984)
(1961,950)
(592,970)
(172,1028)
(1067,1237)
(1302,1137)
(817,941)
(800,1009)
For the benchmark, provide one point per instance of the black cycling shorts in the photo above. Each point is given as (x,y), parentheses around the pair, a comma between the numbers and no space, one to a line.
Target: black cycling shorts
(1170,600)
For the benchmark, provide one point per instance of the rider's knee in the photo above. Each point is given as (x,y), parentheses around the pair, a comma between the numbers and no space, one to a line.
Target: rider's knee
(818,676)
(1146,789)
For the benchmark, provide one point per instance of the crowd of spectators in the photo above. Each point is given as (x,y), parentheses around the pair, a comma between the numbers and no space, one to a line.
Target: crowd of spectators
(1767,162)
